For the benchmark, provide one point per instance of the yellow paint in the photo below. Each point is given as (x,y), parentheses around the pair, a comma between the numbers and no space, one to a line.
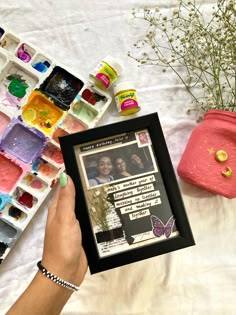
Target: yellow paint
(41,113)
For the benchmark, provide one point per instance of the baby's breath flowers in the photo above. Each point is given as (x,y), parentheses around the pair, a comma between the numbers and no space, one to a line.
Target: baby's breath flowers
(205,46)
(98,206)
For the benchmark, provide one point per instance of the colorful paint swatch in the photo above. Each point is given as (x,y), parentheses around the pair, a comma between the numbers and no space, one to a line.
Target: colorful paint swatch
(41,112)
(23,143)
(33,182)
(59,132)
(62,87)
(72,125)
(84,111)
(36,108)
(4,121)
(53,153)
(10,173)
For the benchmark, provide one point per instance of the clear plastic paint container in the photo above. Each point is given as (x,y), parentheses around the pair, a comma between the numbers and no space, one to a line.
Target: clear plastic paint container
(126,98)
(106,73)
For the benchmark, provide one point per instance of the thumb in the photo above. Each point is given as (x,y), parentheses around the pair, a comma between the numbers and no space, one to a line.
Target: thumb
(66,199)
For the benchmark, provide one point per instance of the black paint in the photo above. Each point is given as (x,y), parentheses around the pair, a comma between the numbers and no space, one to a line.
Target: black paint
(62,87)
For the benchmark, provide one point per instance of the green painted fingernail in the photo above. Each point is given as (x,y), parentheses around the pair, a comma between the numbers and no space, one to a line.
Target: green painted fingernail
(63,179)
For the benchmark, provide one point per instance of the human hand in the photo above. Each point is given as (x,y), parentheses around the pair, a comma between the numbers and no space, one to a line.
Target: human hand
(63,254)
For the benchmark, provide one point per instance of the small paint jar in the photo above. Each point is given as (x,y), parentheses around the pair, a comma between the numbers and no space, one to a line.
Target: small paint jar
(126,98)
(106,73)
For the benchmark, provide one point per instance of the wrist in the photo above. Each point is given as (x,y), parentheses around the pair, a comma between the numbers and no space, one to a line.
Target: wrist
(56,279)
(60,269)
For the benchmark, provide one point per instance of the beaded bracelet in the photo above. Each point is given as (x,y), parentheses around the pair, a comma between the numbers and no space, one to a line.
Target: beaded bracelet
(56,279)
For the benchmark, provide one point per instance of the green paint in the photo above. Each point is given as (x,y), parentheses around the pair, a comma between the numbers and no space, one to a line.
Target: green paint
(44,113)
(17,88)
(85,112)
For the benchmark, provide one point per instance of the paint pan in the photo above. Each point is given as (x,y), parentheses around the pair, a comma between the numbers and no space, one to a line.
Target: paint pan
(3,248)
(41,112)
(53,153)
(3,60)
(22,142)
(24,198)
(25,53)
(10,173)
(13,214)
(72,125)
(4,199)
(59,132)
(45,169)
(84,111)
(62,87)
(7,233)
(15,83)
(1,31)
(34,182)
(94,98)
(4,121)
(9,42)
(41,63)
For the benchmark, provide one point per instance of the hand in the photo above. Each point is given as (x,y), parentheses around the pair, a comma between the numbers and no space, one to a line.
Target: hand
(63,253)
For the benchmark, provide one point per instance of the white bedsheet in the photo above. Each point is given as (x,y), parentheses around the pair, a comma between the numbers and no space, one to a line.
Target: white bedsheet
(196,280)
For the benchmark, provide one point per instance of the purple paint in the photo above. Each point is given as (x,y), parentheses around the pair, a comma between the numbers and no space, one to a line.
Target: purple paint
(1,32)
(24,143)
(23,54)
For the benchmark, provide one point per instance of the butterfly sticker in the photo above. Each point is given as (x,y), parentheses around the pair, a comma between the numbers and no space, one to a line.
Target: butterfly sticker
(159,228)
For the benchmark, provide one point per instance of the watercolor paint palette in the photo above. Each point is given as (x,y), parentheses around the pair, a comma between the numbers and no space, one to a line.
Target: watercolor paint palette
(40,100)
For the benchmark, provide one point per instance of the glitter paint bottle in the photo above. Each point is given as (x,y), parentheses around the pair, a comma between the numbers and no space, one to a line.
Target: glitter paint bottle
(106,73)
(126,98)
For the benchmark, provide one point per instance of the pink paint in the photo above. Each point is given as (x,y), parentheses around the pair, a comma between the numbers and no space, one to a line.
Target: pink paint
(36,184)
(198,164)
(72,125)
(9,174)
(53,153)
(4,121)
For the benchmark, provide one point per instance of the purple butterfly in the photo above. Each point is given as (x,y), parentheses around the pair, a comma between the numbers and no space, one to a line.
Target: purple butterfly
(159,228)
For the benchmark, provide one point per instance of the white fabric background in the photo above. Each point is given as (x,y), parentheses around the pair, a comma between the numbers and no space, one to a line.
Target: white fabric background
(196,280)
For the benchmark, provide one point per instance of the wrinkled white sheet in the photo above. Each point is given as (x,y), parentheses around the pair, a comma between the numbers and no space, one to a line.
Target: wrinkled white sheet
(195,280)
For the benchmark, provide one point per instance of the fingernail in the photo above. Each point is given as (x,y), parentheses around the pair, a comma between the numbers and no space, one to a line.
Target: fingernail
(63,179)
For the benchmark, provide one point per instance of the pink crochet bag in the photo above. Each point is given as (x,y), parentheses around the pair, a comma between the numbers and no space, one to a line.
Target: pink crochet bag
(209,159)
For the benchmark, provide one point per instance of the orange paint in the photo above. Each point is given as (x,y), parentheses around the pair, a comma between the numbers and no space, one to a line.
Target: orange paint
(59,133)
(41,113)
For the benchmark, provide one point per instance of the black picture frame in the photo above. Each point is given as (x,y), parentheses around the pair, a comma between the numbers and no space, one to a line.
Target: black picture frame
(73,147)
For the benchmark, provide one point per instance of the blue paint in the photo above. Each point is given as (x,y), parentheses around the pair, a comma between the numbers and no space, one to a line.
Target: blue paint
(41,66)
(35,166)
(4,199)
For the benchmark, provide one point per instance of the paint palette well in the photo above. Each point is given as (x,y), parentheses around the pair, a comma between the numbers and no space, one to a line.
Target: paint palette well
(23,143)
(40,101)
(10,174)
(41,112)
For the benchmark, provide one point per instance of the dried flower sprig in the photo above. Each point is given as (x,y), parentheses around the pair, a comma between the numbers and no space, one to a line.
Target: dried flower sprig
(203,45)
(98,206)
